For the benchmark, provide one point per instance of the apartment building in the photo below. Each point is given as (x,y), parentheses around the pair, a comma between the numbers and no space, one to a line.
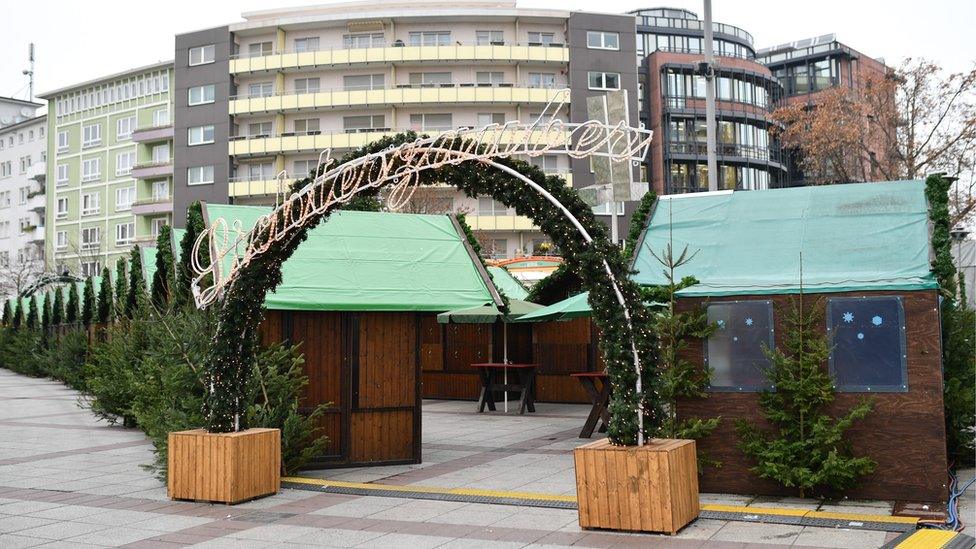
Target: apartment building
(672,90)
(23,152)
(261,99)
(806,68)
(109,148)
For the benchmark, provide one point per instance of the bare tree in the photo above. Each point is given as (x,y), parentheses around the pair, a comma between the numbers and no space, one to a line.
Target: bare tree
(916,120)
(17,276)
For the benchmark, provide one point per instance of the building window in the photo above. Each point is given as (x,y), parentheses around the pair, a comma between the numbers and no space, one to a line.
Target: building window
(489,37)
(430,79)
(736,351)
(307,126)
(603,80)
(124,198)
(91,203)
(306,44)
(91,268)
(489,206)
(91,169)
(200,175)
(260,89)
(260,49)
(124,162)
(124,127)
(542,80)
(867,341)
(600,40)
(363,40)
(307,85)
(430,38)
(125,233)
(160,154)
(542,38)
(62,208)
(63,145)
(488,118)
(364,82)
(61,240)
(431,121)
(161,117)
(200,95)
(489,78)
(604,209)
(200,135)
(62,176)
(155,225)
(160,190)
(303,168)
(363,123)
(548,163)
(202,55)
(91,237)
(496,248)
(91,135)
(4,199)
(257,130)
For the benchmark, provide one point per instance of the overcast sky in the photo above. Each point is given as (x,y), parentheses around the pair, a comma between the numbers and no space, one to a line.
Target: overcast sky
(81,41)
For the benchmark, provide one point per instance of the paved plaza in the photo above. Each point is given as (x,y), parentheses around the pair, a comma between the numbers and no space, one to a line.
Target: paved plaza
(68,480)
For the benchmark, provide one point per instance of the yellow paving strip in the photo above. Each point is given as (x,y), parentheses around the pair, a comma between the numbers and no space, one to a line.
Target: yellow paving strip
(927,539)
(774,511)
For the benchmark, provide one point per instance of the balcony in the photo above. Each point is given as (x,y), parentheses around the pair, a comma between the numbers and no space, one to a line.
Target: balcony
(34,233)
(283,61)
(37,172)
(500,223)
(153,206)
(149,170)
(150,134)
(245,186)
(346,140)
(37,201)
(405,94)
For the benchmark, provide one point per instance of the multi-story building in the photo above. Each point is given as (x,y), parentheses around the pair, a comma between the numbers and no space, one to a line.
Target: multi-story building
(672,93)
(807,67)
(110,169)
(23,153)
(266,96)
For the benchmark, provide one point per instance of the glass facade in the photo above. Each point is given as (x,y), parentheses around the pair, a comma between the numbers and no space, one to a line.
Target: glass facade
(648,43)
(809,77)
(679,86)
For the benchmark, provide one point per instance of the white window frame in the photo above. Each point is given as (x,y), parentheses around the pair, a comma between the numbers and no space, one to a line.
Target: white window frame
(94,203)
(61,175)
(91,135)
(61,213)
(125,233)
(124,127)
(203,171)
(64,144)
(92,175)
(202,55)
(601,40)
(202,130)
(60,240)
(124,197)
(601,84)
(89,243)
(120,168)
(162,184)
(205,98)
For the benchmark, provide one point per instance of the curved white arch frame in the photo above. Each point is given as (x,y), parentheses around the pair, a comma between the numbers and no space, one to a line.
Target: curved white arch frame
(575,140)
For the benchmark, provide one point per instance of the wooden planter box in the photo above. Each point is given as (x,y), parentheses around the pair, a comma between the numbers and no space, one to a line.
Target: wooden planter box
(650,488)
(224,467)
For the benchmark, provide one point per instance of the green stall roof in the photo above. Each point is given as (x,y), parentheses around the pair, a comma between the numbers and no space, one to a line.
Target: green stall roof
(148,255)
(859,236)
(371,261)
(507,283)
(178,235)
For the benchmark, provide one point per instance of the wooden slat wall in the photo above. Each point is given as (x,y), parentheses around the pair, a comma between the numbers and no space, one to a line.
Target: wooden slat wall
(904,434)
(382,436)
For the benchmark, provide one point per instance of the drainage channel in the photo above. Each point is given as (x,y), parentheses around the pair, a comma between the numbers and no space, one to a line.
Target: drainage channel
(796,517)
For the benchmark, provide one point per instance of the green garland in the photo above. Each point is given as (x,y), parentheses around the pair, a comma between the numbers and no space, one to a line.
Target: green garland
(232,352)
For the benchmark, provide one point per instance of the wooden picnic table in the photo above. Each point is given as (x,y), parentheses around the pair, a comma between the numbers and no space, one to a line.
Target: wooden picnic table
(492,379)
(599,398)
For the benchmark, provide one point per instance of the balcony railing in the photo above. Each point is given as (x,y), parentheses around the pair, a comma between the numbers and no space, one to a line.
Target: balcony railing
(779,57)
(158,168)
(403,86)
(151,133)
(694,24)
(752,152)
(397,43)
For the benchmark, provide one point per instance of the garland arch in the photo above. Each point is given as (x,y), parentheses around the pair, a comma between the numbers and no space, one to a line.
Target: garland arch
(477,163)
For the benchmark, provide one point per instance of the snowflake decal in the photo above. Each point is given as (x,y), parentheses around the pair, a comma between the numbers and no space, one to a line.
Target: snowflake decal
(848,317)
(860,335)
(877,320)
(748,322)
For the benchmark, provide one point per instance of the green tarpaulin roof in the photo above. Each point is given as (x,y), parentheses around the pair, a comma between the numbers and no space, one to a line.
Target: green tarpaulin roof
(488,313)
(862,236)
(148,264)
(507,283)
(369,261)
(569,308)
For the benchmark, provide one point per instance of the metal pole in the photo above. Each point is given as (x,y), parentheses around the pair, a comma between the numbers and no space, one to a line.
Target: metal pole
(710,100)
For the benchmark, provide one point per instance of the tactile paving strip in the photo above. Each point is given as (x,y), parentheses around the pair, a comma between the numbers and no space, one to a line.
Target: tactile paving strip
(796,517)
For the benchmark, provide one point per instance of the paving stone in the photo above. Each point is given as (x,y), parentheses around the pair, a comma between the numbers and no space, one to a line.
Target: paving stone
(61,530)
(838,537)
(751,532)
(113,536)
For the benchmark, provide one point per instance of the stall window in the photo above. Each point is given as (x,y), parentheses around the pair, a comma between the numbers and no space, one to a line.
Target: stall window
(736,351)
(867,337)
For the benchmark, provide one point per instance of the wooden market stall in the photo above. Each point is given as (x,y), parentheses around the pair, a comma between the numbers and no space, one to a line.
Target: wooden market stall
(361,296)
(865,257)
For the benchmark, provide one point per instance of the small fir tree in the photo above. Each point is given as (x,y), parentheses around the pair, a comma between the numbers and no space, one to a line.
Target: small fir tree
(182,294)
(8,315)
(47,311)
(137,284)
(105,305)
(806,451)
(71,310)
(121,286)
(88,302)
(18,314)
(162,277)
(33,318)
(57,308)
